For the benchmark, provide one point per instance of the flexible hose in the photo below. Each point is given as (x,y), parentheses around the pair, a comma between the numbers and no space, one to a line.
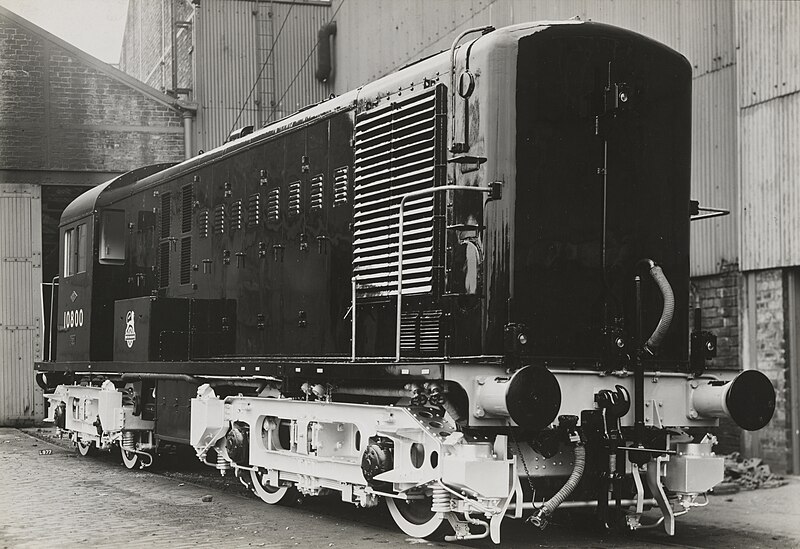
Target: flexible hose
(547,508)
(667,312)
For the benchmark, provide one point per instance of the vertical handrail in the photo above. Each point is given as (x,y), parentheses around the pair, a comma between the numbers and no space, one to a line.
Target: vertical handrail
(413,194)
(353,320)
(53,285)
(458,39)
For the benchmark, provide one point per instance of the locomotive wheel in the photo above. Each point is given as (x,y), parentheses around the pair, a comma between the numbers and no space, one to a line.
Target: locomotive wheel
(86,448)
(132,460)
(415,517)
(268,493)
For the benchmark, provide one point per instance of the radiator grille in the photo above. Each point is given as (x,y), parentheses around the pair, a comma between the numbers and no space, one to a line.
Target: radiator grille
(395,153)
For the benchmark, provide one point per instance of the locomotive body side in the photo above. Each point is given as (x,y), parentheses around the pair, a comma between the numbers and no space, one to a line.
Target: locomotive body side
(418,291)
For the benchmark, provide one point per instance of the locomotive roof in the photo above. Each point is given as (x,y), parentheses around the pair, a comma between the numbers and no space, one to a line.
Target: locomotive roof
(437,64)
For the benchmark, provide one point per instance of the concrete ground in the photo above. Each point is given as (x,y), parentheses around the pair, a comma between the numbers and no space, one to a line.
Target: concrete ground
(52,497)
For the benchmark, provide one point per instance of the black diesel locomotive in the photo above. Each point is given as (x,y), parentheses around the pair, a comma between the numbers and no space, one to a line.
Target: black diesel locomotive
(461,289)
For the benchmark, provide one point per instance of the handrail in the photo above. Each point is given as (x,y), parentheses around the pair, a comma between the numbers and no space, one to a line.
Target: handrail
(458,39)
(413,194)
(53,284)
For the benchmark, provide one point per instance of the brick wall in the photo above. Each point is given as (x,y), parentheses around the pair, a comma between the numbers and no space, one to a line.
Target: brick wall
(770,352)
(147,45)
(724,301)
(58,112)
(718,298)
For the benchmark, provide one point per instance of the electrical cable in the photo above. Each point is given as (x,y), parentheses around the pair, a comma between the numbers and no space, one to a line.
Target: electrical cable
(289,87)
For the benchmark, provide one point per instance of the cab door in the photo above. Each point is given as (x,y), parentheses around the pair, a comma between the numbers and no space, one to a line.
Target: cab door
(73,323)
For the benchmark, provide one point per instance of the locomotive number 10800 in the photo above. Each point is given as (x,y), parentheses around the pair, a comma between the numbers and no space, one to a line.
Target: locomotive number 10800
(73,319)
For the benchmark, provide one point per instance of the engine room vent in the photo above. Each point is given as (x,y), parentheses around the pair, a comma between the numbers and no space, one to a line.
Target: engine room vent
(295,198)
(219,219)
(397,147)
(166,215)
(340,185)
(186,259)
(204,224)
(315,197)
(274,205)
(163,264)
(254,210)
(236,216)
(420,332)
(187,202)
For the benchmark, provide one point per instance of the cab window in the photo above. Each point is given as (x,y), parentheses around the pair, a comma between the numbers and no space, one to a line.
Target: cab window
(75,252)
(112,237)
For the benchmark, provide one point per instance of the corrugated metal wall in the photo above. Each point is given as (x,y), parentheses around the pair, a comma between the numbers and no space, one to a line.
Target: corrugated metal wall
(704,31)
(376,37)
(233,41)
(21,399)
(768,77)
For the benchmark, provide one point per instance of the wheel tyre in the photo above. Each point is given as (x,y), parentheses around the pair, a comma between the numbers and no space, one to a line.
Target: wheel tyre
(130,459)
(86,448)
(415,518)
(271,494)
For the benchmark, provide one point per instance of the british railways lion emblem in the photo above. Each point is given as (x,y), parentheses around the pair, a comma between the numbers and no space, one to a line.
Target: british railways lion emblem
(130,331)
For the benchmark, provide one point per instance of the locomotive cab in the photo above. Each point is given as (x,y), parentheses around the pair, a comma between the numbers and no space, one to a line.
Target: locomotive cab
(93,269)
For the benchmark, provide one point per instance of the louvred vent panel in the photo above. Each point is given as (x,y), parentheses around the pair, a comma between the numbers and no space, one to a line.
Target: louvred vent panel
(395,153)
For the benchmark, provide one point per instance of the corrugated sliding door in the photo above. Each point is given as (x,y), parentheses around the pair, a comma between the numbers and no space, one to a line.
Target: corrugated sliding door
(21,399)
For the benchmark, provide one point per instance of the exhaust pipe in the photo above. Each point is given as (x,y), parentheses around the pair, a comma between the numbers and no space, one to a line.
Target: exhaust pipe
(748,399)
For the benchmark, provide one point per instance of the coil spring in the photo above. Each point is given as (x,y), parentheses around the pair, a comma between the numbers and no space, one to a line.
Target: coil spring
(441,500)
(222,463)
(129,440)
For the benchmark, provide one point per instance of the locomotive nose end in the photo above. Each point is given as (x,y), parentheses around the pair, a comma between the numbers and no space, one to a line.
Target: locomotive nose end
(531,397)
(749,400)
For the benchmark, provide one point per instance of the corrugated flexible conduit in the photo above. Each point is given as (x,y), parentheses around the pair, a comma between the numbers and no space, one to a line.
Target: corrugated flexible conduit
(540,518)
(666,314)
